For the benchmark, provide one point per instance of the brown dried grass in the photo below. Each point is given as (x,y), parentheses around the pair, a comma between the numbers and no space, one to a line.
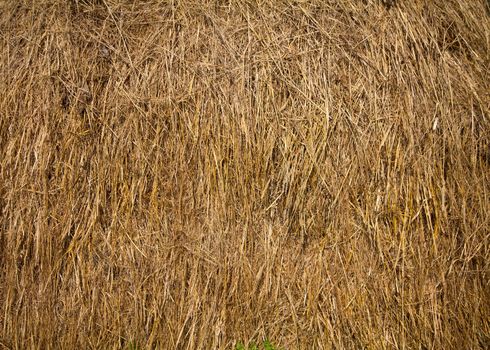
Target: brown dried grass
(187,174)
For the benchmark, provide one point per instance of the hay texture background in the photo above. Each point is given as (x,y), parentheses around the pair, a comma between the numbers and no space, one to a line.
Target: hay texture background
(190,174)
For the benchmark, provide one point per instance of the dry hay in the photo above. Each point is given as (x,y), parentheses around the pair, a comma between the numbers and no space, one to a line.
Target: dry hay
(188,174)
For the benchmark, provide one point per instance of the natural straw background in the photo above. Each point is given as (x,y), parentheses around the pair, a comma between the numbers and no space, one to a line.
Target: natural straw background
(190,174)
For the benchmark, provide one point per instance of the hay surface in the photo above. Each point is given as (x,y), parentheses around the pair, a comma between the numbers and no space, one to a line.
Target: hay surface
(189,174)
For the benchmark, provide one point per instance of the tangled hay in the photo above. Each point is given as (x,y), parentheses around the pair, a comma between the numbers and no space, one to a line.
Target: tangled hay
(190,174)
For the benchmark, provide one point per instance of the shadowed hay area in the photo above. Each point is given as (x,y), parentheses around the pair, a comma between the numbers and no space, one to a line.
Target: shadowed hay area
(193,174)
